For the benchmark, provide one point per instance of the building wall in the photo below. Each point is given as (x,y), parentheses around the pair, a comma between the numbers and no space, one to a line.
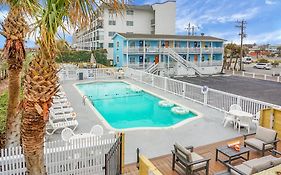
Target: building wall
(141,18)
(118,58)
(165,15)
(141,24)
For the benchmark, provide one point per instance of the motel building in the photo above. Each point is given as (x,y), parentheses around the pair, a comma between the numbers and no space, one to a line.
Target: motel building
(169,55)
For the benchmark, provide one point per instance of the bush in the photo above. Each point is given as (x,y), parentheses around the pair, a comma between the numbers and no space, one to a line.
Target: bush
(263,60)
(74,56)
(3,110)
(275,63)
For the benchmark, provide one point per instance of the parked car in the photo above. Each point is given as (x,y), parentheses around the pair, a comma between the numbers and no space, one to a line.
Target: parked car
(247,60)
(266,66)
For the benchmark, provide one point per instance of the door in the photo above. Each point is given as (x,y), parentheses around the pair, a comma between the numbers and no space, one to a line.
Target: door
(195,58)
(156,59)
(166,44)
(140,59)
(140,43)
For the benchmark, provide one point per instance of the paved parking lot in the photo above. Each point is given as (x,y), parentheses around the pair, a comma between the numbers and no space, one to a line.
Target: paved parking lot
(267,91)
(249,68)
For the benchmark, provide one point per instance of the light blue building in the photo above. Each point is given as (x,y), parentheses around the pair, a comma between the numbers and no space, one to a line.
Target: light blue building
(177,53)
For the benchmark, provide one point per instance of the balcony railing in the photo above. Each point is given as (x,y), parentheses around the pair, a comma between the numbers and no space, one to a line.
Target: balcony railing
(195,50)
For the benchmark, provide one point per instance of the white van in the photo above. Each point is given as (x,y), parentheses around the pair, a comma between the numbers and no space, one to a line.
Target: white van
(247,60)
(266,66)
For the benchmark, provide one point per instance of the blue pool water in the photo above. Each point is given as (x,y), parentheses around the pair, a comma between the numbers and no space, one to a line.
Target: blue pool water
(123,108)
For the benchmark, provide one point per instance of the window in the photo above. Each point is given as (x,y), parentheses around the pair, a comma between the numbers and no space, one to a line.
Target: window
(110,45)
(117,59)
(130,23)
(111,22)
(117,43)
(130,12)
(111,33)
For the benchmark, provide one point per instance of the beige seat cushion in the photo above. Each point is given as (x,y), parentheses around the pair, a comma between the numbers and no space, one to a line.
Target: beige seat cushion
(276,162)
(245,169)
(265,134)
(195,157)
(183,152)
(262,166)
(257,143)
(262,160)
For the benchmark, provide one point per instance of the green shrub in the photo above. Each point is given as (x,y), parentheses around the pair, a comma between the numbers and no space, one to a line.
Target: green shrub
(275,63)
(3,110)
(74,56)
(263,60)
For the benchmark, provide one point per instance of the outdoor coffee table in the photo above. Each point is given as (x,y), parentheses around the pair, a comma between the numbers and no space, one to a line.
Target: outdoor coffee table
(232,154)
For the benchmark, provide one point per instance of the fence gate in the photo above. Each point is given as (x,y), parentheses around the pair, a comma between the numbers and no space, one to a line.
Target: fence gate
(114,159)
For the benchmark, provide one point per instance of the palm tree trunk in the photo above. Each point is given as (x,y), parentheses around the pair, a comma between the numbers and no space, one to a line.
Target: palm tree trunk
(39,87)
(13,117)
(235,64)
(14,29)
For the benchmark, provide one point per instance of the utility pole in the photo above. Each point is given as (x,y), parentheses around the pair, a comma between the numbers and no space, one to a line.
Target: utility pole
(242,26)
(188,28)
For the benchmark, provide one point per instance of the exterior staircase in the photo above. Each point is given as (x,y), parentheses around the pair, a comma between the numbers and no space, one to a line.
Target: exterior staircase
(153,68)
(182,61)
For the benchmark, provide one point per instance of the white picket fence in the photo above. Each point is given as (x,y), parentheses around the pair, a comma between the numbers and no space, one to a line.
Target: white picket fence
(97,73)
(85,156)
(257,76)
(213,98)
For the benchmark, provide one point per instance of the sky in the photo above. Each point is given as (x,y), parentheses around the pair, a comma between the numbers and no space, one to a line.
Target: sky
(216,18)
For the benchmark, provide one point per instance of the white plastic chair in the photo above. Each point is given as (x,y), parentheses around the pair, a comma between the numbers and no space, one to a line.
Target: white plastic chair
(256,119)
(235,107)
(97,130)
(66,134)
(53,127)
(228,118)
(244,121)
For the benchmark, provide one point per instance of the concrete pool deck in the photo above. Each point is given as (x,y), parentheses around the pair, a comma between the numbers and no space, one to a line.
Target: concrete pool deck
(155,142)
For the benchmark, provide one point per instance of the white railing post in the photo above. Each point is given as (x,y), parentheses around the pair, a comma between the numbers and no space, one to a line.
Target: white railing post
(243,73)
(254,75)
(205,98)
(165,83)
(278,79)
(183,89)
(264,76)
(233,72)
(140,76)
(239,100)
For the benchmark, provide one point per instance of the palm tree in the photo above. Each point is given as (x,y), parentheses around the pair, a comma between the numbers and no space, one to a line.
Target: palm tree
(41,81)
(15,29)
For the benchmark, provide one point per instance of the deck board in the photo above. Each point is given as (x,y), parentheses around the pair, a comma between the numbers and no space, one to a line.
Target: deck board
(164,163)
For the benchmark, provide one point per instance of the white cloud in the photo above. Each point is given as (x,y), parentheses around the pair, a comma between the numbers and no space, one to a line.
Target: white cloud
(3,14)
(270,2)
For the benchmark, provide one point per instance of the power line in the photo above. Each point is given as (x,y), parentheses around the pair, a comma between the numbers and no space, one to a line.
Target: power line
(242,34)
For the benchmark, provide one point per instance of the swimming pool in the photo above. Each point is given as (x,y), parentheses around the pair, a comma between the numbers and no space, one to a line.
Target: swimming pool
(125,106)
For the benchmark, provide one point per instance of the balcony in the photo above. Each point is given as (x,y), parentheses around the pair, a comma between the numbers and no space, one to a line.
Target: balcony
(181,50)
(217,49)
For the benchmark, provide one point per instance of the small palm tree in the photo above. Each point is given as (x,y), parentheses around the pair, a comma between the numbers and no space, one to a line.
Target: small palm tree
(41,81)
(15,29)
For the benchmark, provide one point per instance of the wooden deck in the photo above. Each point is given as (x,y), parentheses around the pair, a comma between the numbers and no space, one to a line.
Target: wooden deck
(164,163)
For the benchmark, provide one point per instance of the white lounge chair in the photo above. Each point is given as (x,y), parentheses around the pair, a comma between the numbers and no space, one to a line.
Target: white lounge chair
(53,127)
(97,130)
(61,109)
(62,116)
(244,121)
(66,134)
(235,107)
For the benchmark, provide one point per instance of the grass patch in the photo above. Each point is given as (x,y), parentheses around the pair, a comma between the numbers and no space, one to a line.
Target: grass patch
(3,110)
